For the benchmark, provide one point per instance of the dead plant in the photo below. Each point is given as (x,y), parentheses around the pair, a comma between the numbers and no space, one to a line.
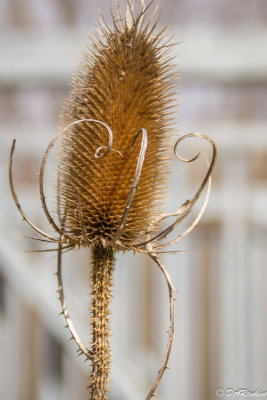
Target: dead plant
(109,196)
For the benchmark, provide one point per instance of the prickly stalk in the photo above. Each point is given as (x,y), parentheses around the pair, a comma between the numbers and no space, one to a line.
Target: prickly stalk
(101,281)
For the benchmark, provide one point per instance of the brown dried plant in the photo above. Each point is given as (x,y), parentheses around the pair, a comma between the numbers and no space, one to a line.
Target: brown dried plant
(109,197)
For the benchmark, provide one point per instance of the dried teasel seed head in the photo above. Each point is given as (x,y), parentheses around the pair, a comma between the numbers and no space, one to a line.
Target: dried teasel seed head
(124,80)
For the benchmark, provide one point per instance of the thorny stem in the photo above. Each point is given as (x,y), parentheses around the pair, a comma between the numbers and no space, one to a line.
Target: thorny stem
(101,278)
(74,335)
(171,290)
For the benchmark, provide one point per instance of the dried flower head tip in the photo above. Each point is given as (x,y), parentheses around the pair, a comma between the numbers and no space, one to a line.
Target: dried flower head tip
(126,82)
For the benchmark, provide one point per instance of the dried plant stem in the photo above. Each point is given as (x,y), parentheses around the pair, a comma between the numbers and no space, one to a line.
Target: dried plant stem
(171,291)
(101,278)
(82,349)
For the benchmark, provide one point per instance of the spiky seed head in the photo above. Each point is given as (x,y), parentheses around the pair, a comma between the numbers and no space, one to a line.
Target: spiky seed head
(125,80)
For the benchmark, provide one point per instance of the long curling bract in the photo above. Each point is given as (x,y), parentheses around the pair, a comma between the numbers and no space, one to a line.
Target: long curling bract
(125,80)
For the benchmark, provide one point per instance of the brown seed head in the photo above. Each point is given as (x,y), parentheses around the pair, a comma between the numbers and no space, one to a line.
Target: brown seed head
(124,80)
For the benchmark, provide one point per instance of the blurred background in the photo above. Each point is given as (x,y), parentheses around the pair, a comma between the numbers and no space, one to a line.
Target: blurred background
(221,279)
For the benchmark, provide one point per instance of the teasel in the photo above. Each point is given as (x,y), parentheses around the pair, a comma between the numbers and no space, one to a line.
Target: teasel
(112,168)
